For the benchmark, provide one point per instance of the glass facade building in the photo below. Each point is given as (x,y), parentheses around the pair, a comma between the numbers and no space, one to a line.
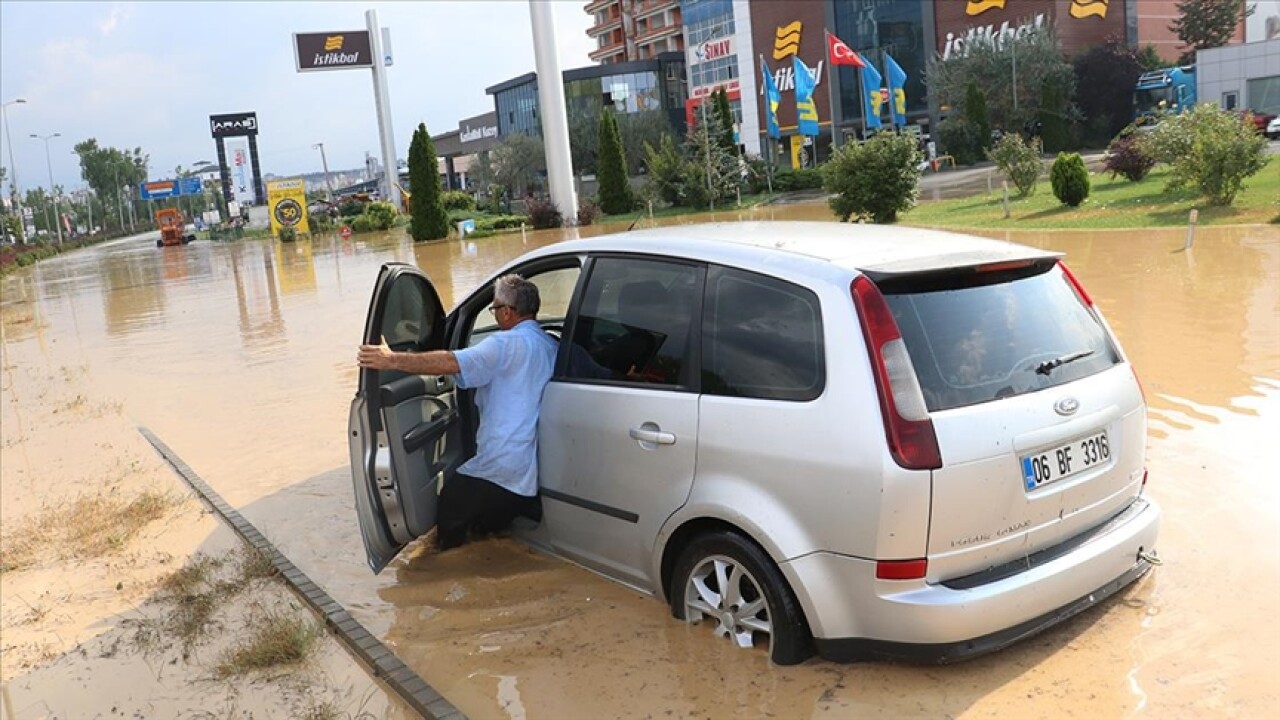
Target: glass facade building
(709,20)
(872,29)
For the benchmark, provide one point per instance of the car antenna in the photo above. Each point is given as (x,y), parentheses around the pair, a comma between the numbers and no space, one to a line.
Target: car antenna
(633,222)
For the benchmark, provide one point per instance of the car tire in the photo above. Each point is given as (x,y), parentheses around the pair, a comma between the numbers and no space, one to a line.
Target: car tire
(696,594)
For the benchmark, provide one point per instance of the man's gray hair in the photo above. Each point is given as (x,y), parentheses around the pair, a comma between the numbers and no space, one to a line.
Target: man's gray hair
(518,293)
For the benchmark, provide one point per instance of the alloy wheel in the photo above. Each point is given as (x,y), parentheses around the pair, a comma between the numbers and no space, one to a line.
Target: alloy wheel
(722,589)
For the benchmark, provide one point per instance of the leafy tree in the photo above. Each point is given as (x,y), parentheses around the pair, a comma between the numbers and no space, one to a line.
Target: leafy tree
(712,173)
(723,127)
(1054,130)
(1105,77)
(517,162)
(637,129)
(876,180)
(1203,24)
(1127,155)
(1209,149)
(429,221)
(1149,58)
(666,169)
(108,170)
(989,64)
(615,191)
(584,137)
(1019,161)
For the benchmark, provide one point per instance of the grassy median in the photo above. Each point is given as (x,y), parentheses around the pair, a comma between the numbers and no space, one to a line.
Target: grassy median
(1112,203)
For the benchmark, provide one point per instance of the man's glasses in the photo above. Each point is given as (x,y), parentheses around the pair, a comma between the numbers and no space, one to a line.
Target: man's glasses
(495,308)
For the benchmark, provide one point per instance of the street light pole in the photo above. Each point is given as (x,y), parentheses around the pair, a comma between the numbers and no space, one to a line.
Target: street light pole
(13,170)
(325,162)
(57,219)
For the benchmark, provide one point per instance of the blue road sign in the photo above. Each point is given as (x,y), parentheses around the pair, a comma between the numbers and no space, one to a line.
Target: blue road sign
(190,186)
(158,190)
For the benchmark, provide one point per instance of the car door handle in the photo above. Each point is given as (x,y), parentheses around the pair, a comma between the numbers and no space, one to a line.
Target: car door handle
(656,437)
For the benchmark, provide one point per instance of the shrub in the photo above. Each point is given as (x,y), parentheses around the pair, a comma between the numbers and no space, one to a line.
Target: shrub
(320,221)
(1129,155)
(361,224)
(1211,150)
(1070,179)
(757,175)
(1018,161)
(785,179)
(382,215)
(457,200)
(350,208)
(588,212)
(877,179)
(961,140)
(288,233)
(666,169)
(543,213)
(975,115)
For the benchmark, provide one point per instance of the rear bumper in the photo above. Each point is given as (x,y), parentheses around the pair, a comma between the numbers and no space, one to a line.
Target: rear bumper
(853,616)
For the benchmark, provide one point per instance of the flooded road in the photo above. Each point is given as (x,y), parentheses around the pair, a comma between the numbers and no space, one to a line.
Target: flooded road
(241,357)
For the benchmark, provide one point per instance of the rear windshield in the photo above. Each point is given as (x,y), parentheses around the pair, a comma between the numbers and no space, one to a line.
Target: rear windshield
(985,336)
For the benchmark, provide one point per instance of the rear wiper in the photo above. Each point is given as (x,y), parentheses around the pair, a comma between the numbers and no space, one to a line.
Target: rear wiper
(1047,367)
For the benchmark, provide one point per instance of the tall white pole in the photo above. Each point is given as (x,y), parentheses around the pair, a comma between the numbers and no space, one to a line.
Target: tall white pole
(390,171)
(57,213)
(14,193)
(555,122)
(325,162)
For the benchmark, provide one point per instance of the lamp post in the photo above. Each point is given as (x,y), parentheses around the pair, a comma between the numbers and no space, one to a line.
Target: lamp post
(57,219)
(325,162)
(13,170)
(706,138)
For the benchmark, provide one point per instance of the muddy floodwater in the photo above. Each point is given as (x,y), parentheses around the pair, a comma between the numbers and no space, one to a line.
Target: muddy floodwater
(241,358)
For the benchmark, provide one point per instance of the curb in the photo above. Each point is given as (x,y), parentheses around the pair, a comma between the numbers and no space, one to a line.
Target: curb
(377,658)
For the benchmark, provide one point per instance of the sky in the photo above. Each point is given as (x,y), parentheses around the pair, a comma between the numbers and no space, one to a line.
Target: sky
(149,74)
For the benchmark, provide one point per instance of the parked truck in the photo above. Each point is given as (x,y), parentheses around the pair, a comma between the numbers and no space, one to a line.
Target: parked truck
(172,226)
(1163,91)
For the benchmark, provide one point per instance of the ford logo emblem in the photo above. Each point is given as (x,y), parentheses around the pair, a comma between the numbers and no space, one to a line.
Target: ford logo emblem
(1066,406)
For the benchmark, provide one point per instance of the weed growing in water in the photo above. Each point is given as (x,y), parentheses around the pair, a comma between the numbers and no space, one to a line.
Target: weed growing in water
(275,639)
(88,527)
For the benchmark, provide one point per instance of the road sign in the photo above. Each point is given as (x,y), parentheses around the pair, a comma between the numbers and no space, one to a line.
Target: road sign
(190,186)
(345,232)
(158,190)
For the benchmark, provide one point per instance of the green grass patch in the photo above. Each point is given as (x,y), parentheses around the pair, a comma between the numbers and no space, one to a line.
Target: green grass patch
(748,201)
(1112,203)
(274,639)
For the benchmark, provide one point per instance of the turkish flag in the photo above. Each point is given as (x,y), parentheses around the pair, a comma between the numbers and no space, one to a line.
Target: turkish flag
(841,54)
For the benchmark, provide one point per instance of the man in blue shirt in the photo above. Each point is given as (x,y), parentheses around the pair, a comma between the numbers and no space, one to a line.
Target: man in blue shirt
(509,370)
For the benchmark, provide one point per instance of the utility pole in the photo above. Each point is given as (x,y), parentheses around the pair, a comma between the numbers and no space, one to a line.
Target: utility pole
(130,189)
(57,220)
(119,200)
(88,196)
(13,169)
(323,161)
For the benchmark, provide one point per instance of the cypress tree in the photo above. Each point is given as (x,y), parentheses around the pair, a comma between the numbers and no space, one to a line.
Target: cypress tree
(724,122)
(975,112)
(615,190)
(430,221)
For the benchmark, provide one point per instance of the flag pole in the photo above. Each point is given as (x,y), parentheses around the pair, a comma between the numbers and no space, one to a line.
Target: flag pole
(831,102)
(768,165)
(862,101)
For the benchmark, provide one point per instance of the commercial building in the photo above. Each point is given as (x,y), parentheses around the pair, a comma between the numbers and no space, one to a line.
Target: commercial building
(629,30)
(717,34)
(1241,77)
(656,85)
(458,149)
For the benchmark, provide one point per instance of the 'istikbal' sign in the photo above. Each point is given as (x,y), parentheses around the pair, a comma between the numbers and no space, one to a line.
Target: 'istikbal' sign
(337,50)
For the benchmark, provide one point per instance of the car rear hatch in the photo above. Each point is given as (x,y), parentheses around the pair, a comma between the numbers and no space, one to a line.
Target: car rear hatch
(1038,418)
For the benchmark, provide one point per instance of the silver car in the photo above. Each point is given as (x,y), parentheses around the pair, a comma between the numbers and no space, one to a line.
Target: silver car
(864,441)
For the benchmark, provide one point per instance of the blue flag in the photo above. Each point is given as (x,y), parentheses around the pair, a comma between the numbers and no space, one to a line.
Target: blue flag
(772,99)
(871,98)
(897,90)
(806,109)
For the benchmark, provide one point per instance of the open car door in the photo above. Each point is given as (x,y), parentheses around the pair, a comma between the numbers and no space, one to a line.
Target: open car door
(403,429)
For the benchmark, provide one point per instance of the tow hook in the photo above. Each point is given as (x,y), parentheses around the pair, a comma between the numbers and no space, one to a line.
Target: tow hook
(1150,556)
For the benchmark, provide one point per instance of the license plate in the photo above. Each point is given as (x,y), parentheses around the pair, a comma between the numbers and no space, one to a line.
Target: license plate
(1054,464)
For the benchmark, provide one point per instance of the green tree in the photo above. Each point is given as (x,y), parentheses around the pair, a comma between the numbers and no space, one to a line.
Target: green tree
(712,173)
(1069,179)
(875,180)
(1105,77)
(723,126)
(975,112)
(1203,24)
(665,166)
(1209,149)
(1018,161)
(1055,132)
(615,191)
(1149,58)
(109,170)
(429,221)
(989,64)
(517,162)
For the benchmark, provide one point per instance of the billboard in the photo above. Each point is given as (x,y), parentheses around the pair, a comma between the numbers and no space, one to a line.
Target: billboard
(240,169)
(233,124)
(287,201)
(336,50)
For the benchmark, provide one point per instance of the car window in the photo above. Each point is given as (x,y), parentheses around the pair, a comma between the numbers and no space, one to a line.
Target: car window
(555,290)
(761,338)
(977,343)
(635,322)
(405,320)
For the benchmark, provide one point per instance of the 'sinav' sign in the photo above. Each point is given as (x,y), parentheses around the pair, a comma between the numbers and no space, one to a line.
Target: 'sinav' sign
(338,50)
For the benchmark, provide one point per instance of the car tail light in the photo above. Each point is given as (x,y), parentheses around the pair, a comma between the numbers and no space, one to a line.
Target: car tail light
(901,569)
(1075,284)
(907,426)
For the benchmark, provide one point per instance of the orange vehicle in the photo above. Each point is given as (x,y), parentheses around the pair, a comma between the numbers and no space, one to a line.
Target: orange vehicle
(172,226)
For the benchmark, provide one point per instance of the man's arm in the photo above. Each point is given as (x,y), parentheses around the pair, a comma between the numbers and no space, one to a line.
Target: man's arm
(381,357)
